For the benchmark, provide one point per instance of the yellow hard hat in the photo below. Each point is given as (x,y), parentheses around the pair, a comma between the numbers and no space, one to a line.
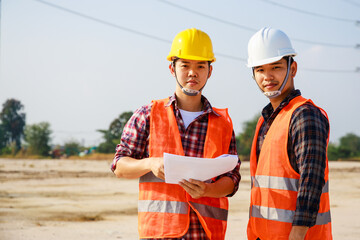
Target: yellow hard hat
(192,44)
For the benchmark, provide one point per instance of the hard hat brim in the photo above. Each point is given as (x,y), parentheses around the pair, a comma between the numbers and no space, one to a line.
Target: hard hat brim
(267,61)
(196,58)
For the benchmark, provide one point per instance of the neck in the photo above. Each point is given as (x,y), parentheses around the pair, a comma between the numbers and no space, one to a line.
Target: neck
(189,103)
(275,102)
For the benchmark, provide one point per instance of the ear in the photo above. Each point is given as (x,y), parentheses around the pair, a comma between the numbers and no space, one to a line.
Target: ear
(210,71)
(293,69)
(172,70)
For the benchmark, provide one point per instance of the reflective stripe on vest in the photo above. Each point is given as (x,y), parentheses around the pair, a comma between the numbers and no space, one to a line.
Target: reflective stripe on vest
(150,177)
(280,183)
(210,211)
(283,215)
(163,206)
(181,208)
(277,214)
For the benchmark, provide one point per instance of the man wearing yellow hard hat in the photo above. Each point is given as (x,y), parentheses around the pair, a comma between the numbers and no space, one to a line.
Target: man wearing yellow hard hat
(182,124)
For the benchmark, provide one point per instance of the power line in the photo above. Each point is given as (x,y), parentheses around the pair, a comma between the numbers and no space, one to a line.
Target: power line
(208,16)
(309,13)
(352,3)
(161,39)
(102,21)
(248,28)
(325,44)
(231,57)
(356,70)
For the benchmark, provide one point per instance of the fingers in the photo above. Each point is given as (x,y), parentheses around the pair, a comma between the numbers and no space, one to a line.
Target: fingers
(192,184)
(157,167)
(195,188)
(161,174)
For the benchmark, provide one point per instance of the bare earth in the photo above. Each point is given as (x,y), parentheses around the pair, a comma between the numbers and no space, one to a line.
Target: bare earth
(81,199)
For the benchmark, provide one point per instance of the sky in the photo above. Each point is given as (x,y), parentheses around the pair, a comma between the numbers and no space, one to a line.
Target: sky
(79,64)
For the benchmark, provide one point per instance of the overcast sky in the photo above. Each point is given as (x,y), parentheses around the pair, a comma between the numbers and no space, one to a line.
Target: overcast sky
(79,64)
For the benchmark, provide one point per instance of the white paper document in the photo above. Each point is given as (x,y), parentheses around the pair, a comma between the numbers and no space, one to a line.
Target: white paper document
(178,167)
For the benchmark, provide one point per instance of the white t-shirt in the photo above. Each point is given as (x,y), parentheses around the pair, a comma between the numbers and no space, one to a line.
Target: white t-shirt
(188,117)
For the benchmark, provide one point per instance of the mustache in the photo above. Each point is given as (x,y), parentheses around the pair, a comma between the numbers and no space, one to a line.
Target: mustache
(264,84)
(192,80)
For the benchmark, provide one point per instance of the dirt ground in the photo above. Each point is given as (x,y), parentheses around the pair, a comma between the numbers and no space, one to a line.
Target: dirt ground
(81,199)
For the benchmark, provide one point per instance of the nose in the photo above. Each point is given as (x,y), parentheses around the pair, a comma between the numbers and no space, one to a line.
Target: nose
(267,75)
(192,73)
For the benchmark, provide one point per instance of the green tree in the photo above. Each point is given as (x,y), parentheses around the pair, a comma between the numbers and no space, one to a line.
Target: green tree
(245,138)
(12,123)
(117,126)
(2,137)
(72,147)
(38,138)
(113,134)
(333,152)
(349,146)
(108,146)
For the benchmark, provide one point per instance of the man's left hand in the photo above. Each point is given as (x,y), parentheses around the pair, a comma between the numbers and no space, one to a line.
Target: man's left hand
(195,188)
(298,232)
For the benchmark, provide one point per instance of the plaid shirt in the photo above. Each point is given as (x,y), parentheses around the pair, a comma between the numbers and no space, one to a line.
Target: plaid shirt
(135,143)
(307,144)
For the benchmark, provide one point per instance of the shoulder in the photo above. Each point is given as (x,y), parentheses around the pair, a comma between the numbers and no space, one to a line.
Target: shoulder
(141,115)
(309,115)
(308,110)
(144,110)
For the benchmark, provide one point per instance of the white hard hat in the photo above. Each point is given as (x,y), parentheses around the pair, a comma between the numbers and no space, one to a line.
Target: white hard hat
(268,45)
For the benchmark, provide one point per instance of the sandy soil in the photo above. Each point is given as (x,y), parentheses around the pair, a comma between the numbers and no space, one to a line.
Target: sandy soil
(81,199)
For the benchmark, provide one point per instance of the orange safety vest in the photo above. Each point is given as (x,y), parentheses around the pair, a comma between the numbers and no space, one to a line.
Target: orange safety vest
(164,208)
(274,184)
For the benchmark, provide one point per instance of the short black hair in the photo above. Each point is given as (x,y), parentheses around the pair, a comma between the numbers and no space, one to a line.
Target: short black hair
(176,58)
(289,58)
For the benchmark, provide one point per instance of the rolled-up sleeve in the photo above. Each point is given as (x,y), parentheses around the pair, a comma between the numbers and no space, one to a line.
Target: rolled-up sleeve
(134,138)
(235,173)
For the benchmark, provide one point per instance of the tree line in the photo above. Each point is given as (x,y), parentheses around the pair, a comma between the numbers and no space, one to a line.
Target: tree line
(18,138)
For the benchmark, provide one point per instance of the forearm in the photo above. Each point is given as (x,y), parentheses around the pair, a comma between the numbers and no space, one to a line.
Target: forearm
(221,188)
(298,233)
(311,183)
(234,175)
(127,167)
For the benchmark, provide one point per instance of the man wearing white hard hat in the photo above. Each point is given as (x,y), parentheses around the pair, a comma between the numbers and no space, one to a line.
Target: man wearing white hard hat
(288,161)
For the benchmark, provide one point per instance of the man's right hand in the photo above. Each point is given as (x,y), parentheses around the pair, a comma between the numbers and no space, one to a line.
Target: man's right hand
(157,167)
